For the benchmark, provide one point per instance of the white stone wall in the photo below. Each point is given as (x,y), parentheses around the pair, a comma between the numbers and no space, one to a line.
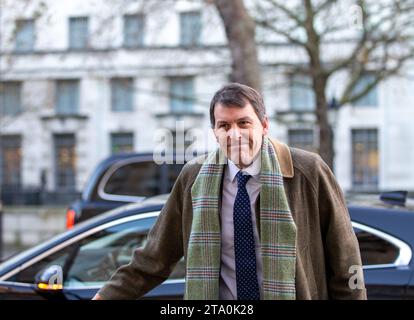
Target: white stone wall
(150,67)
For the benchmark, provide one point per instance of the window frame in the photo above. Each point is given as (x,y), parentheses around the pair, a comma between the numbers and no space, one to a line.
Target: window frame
(371,98)
(186,102)
(17,45)
(367,142)
(74,45)
(72,84)
(56,169)
(301,132)
(127,85)
(139,41)
(404,254)
(301,85)
(108,174)
(191,38)
(116,136)
(5,110)
(12,141)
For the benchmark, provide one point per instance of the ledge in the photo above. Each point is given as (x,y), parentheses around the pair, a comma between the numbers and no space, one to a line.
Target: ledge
(64,117)
(179,114)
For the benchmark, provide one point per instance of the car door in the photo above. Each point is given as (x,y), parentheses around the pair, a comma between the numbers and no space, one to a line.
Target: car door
(385,260)
(89,260)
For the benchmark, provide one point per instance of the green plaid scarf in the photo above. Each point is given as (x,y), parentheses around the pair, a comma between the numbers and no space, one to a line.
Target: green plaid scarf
(277,231)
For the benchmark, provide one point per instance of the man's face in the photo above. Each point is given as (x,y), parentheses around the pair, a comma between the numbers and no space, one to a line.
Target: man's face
(239,132)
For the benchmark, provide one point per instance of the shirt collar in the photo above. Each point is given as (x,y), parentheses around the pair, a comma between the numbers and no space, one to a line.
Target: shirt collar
(253,169)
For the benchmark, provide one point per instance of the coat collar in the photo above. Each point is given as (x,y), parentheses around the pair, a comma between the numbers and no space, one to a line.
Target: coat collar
(284,157)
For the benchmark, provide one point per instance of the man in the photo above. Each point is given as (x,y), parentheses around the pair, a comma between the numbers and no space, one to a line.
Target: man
(268,222)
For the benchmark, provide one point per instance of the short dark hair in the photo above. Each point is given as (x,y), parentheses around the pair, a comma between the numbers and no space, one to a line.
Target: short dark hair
(236,94)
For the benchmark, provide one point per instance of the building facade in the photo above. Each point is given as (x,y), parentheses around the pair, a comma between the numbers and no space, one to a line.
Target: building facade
(81,80)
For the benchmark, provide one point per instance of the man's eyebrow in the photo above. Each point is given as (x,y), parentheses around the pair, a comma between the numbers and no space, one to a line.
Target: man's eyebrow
(240,119)
(245,118)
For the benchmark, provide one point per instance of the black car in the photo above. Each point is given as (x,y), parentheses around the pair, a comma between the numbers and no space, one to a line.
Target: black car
(75,264)
(82,259)
(122,179)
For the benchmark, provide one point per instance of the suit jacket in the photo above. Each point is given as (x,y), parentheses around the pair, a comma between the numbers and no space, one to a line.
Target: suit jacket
(326,243)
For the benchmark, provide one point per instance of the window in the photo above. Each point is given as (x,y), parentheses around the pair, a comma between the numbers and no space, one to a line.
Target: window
(67,97)
(78,33)
(141,179)
(181,94)
(301,94)
(371,98)
(122,92)
(302,139)
(65,161)
(136,179)
(11,156)
(91,261)
(122,142)
(25,35)
(365,162)
(10,98)
(375,250)
(133,31)
(190,28)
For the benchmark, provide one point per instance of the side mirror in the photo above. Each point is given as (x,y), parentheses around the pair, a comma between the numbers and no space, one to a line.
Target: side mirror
(50,279)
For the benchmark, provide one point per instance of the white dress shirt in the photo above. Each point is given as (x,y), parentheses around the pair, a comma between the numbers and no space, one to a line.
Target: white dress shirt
(228,287)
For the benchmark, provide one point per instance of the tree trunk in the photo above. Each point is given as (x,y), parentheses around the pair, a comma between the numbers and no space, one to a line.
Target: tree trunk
(240,32)
(326,149)
(319,80)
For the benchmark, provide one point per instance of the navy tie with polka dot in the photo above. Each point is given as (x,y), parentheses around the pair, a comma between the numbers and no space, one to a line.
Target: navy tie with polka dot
(244,245)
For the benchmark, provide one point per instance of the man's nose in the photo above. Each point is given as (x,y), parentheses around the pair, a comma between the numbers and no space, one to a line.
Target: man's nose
(234,132)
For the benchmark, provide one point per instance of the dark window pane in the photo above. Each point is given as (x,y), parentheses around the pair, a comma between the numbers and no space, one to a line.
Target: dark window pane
(365,158)
(67,97)
(25,35)
(169,174)
(371,98)
(182,94)
(301,94)
(142,179)
(78,33)
(101,254)
(122,92)
(10,161)
(65,161)
(133,31)
(10,98)
(190,28)
(302,139)
(136,179)
(375,250)
(122,142)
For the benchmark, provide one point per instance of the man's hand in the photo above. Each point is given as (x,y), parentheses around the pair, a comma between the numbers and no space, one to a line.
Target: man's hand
(97,297)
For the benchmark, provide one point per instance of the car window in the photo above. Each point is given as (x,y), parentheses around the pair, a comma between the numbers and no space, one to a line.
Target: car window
(375,250)
(92,260)
(144,179)
(134,179)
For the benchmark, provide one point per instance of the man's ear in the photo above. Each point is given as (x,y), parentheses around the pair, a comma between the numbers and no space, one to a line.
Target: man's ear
(265,124)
